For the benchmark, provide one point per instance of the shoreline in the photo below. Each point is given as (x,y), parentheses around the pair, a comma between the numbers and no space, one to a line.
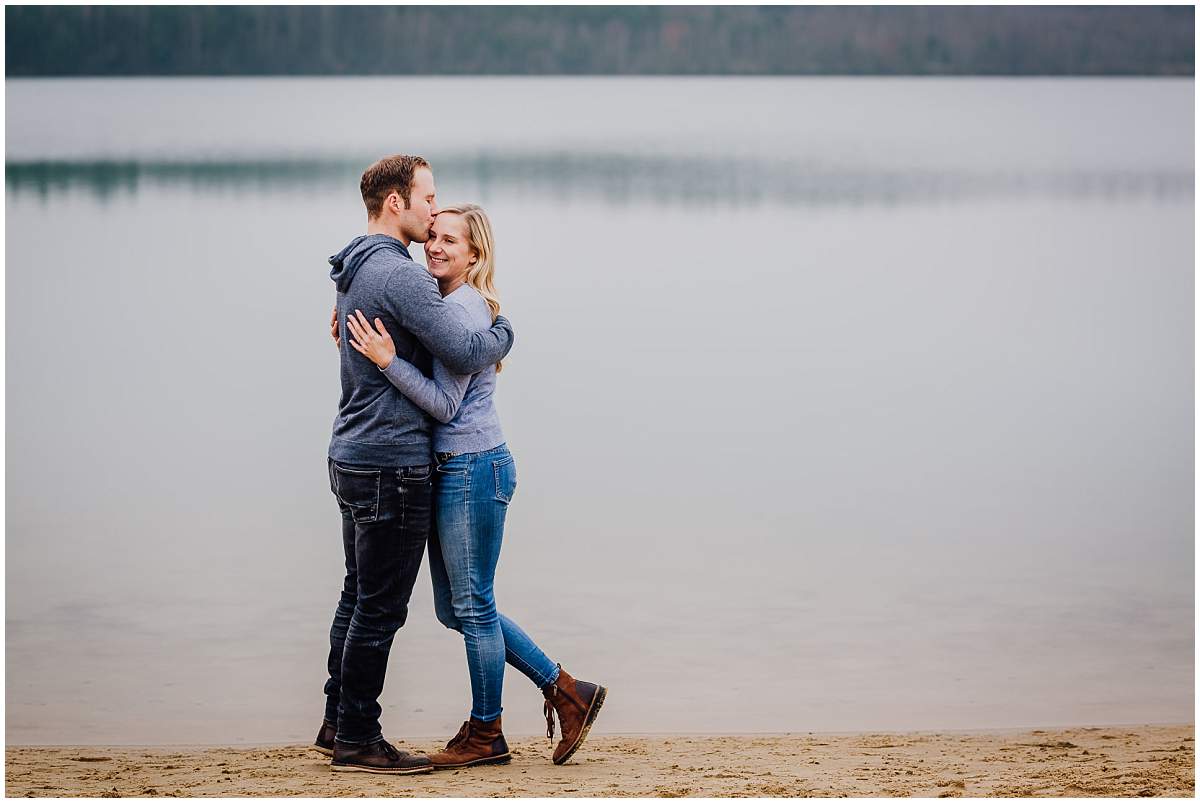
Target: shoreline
(1106,761)
(669,734)
(526,735)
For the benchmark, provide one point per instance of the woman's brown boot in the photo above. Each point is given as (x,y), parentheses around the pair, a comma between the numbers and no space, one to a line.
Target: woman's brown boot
(476,743)
(576,702)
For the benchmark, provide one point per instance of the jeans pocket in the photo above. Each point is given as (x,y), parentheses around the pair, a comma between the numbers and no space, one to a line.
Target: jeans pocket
(357,489)
(505,472)
(415,475)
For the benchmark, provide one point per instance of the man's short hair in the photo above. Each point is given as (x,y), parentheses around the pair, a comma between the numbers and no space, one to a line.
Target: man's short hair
(390,174)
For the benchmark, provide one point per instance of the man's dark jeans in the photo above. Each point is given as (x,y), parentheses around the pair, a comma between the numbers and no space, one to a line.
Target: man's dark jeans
(386,516)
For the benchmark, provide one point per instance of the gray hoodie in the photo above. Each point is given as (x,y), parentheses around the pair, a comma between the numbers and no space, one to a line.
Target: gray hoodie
(375,424)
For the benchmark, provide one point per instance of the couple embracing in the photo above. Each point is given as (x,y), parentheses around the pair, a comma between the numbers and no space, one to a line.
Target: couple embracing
(417,456)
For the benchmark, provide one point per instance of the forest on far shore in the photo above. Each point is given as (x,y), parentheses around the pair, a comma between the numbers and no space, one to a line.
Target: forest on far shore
(599,40)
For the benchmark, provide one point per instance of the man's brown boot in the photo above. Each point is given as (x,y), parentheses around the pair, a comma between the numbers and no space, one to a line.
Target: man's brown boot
(476,743)
(576,702)
(378,757)
(325,737)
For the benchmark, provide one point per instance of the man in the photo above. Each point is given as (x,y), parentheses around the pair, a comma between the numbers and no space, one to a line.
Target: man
(381,454)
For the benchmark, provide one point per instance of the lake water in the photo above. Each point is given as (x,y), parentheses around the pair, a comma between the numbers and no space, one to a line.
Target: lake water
(853,403)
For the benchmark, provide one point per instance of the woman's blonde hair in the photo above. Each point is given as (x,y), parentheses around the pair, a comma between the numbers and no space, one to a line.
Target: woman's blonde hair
(479,240)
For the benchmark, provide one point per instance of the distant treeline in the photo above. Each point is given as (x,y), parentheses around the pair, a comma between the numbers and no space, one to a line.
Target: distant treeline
(599,40)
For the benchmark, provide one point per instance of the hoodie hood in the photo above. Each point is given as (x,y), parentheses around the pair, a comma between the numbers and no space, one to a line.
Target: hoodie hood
(346,262)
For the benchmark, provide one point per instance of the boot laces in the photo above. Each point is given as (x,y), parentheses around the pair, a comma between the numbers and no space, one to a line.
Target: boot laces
(461,736)
(392,753)
(548,710)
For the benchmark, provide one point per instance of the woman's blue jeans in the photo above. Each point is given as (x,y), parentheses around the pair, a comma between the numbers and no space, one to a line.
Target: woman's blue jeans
(471,496)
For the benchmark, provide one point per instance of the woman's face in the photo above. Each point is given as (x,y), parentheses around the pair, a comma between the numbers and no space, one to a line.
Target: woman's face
(446,251)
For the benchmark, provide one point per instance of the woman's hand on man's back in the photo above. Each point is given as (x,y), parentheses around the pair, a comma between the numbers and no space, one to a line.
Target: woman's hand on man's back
(373,343)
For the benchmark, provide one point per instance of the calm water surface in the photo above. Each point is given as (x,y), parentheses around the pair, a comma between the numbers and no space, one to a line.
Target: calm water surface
(851,404)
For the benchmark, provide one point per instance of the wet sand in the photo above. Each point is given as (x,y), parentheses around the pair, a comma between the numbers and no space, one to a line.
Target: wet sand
(1075,762)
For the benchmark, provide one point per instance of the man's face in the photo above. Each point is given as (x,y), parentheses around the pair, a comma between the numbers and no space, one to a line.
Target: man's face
(417,221)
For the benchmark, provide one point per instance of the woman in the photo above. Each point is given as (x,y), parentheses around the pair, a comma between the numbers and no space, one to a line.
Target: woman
(475,480)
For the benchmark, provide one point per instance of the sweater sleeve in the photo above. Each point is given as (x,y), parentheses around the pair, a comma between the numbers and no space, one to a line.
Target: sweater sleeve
(440,397)
(412,297)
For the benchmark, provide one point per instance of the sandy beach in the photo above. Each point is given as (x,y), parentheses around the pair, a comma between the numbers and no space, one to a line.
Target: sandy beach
(1133,761)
